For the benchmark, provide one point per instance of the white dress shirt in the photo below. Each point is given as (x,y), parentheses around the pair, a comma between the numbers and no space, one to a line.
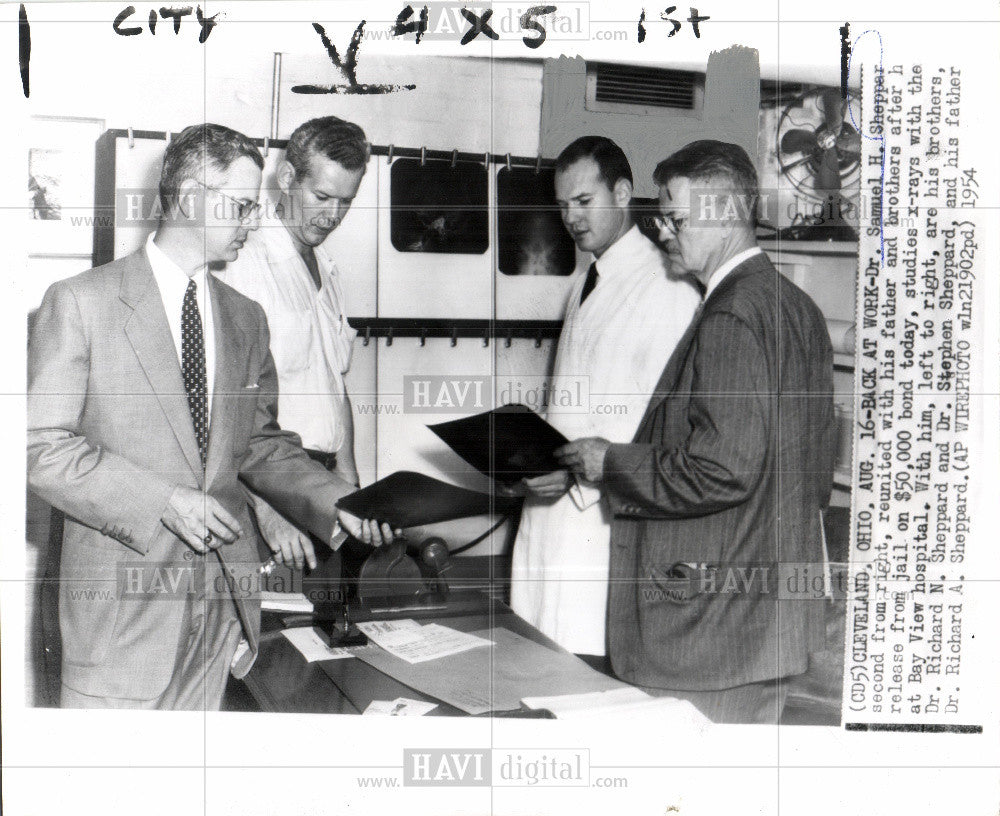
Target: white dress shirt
(172,282)
(311,340)
(618,342)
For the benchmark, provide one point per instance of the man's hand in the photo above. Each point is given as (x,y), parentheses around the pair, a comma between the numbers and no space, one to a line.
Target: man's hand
(290,546)
(585,457)
(199,520)
(548,486)
(367,530)
(517,490)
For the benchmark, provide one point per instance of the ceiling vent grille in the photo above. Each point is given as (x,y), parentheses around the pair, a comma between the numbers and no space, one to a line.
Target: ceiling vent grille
(611,86)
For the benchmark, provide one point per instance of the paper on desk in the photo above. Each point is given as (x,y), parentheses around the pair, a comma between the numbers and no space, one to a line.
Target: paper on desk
(494,679)
(284,602)
(621,704)
(400,707)
(377,629)
(312,646)
(560,704)
(410,641)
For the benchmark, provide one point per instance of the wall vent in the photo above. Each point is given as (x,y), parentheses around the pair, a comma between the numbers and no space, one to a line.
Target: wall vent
(638,89)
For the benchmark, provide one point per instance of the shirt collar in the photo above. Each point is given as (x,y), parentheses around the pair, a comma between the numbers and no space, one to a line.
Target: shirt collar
(720,274)
(279,242)
(168,273)
(618,256)
(281,247)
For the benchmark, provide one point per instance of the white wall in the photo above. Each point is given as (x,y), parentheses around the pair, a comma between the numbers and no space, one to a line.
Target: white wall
(472,104)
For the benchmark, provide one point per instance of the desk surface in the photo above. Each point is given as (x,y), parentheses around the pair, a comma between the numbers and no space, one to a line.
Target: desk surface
(282,680)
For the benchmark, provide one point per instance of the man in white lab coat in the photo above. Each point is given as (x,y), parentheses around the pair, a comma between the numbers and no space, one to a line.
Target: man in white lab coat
(622,322)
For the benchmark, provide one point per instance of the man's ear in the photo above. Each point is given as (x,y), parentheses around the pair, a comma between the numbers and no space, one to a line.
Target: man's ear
(622,192)
(187,198)
(285,175)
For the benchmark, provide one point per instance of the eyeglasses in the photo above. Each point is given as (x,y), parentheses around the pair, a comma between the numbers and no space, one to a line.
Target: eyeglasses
(245,208)
(672,222)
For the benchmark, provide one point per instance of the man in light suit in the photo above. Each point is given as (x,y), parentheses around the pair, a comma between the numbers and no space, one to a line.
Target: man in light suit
(720,492)
(151,394)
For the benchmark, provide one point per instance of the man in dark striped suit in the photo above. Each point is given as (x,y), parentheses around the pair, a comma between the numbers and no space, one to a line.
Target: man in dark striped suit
(717,499)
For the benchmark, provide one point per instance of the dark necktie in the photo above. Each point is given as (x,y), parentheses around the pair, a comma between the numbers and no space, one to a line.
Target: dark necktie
(590,283)
(193,367)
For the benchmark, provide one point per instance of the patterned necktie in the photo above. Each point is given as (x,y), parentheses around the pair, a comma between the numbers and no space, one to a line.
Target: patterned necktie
(590,283)
(193,367)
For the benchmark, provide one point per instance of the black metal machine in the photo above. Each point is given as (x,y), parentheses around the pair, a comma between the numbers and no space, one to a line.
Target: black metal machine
(401,580)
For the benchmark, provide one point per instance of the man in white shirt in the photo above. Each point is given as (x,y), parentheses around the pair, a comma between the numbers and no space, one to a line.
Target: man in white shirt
(285,268)
(151,398)
(623,320)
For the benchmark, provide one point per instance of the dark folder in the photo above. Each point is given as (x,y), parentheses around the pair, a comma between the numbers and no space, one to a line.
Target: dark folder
(408,499)
(507,444)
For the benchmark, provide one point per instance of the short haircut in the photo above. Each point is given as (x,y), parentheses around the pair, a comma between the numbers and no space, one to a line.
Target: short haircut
(329,137)
(709,160)
(610,158)
(198,148)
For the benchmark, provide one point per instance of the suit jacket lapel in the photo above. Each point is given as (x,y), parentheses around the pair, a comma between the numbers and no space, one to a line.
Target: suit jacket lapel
(230,368)
(149,334)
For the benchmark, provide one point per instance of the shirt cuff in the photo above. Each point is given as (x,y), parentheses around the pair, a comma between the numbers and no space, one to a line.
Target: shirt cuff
(614,463)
